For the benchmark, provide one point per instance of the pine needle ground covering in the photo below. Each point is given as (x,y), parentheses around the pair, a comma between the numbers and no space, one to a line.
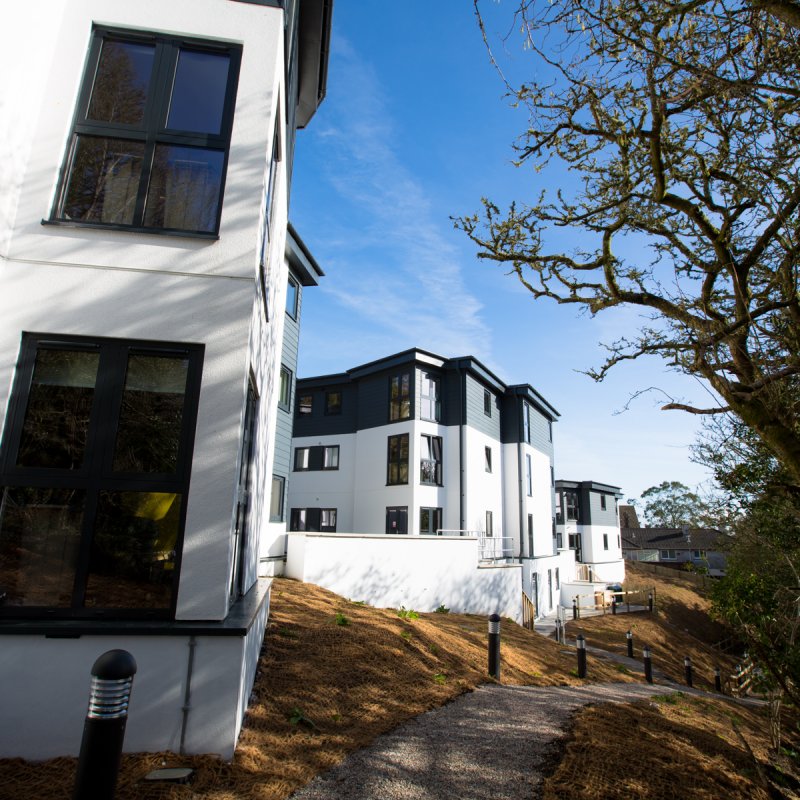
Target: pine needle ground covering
(673,746)
(333,675)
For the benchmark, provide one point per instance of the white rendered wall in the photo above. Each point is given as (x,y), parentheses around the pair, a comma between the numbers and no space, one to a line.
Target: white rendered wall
(564,562)
(539,504)
(326,488)
(418,572)
(483,491)
(69,280)
(48,682)
(372,495)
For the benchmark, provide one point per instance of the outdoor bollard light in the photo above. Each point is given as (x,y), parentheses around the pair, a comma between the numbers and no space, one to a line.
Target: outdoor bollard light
(104,728)
(614,605)
(687,670)
(574,609)
(629,637)
(494,646)
(717,679)
(650,602)
(580,644)
(648,664)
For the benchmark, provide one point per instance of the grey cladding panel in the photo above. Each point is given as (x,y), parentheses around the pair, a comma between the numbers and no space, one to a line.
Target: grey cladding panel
(596,514)
(540,432)
(318,423)
(476,417)
(373,397)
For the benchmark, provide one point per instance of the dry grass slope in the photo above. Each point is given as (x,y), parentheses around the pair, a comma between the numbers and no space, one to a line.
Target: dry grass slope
(333,675)
(679,745)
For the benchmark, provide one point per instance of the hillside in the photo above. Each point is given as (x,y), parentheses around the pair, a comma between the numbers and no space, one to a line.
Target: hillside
(334,674)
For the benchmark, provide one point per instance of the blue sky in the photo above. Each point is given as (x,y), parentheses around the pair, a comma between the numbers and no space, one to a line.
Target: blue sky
(415,130)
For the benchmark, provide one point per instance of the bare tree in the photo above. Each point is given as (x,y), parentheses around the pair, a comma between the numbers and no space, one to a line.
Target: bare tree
(681,121)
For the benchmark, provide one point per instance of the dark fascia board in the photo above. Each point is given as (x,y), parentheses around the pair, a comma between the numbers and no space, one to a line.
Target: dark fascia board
(416,355)
(529,393)
(320,381)
(315,40)
(412,356)
(271,3)
(303,264)
(479,370)
(592,486)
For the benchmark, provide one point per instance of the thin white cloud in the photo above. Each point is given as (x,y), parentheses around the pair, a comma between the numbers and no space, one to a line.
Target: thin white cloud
(391,263)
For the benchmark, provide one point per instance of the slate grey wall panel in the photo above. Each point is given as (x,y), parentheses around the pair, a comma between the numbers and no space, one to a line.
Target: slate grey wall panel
(476,417)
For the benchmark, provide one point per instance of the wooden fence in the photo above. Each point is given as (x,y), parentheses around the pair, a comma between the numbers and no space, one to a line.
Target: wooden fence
(528,612)
(598,603)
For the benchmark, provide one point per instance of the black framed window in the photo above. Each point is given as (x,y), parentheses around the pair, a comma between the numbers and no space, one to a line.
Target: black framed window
(285,389)
(319,520)
(94,474)
(430,464)
(333,402)
(529,475)
(530,535)
(292,295)
(603,502)
(397,520)
(526,423)
(319,457)
(487,402)
(487,459)
(571,501)
(152,129)
(430,521)
(397,467)
(605,541)
(400,397)
(244,490)
(305,405)
(489,523)
(276,498)
(430,397)
(269,191)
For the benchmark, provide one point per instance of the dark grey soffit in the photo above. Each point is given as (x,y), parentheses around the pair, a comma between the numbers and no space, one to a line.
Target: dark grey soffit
(592,486)
(303,264)
(315,42)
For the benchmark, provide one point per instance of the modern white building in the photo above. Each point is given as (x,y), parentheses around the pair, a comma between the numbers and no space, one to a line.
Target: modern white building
(415,444)
(145,163)
(587,521)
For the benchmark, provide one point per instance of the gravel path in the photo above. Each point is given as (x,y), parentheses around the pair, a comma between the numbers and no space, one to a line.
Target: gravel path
(486,745)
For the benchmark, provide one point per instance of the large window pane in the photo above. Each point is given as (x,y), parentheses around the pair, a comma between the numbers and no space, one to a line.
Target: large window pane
(104,180)
(40,531)
(184,190)
(148,439)
(132,563)
(120,86)
(59,404)
(198,93)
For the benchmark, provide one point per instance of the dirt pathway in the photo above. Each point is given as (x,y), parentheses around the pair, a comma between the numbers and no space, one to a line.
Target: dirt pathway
(487,745)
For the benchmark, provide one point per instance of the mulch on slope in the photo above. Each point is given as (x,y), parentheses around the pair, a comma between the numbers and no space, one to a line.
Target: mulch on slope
(333,675)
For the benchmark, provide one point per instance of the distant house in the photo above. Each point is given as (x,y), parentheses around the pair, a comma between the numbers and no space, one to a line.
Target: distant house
(587,522)
(703,547)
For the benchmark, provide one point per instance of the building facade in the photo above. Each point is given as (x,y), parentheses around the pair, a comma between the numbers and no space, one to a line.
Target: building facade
(146,166)
(587,521)
(415,444)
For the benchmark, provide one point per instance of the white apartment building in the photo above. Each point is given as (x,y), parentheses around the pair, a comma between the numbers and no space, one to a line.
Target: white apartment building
(416,444)
(145,160)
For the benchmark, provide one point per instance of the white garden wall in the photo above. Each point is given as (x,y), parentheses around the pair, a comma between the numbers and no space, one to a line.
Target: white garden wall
(418,572)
